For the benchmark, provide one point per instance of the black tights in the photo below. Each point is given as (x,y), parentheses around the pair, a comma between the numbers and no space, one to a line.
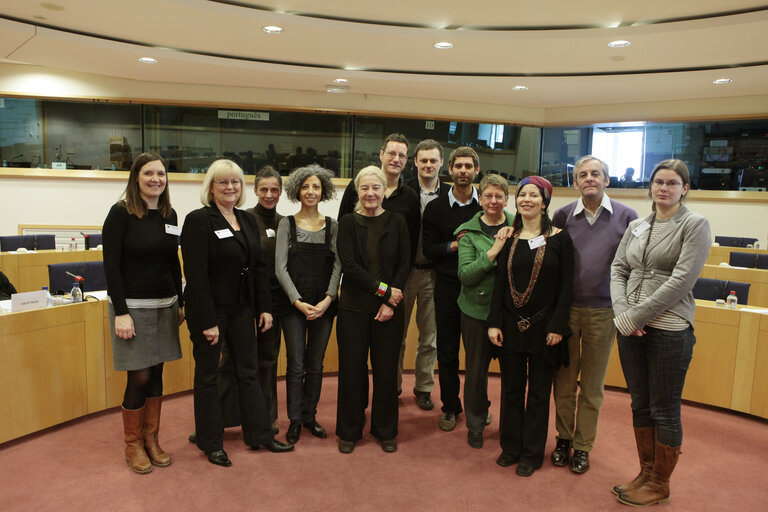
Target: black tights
(142,384)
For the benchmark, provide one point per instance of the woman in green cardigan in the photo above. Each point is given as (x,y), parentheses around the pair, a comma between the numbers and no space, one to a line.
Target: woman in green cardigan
(480,241)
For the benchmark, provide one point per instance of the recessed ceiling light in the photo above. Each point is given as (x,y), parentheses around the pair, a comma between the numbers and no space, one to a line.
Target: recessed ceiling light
(520,88)
(340,81)
(620,43)
(147,60)
(272,29)
(722,81)
(443,45)
(336,88)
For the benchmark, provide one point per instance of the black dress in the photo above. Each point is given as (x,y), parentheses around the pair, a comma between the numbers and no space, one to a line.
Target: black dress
(525,357)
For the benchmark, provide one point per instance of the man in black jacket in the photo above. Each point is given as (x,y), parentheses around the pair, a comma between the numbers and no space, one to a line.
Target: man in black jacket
(428,157)
(441,218)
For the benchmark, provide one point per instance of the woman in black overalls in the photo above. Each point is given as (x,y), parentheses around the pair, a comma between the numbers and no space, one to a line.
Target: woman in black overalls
(308,269)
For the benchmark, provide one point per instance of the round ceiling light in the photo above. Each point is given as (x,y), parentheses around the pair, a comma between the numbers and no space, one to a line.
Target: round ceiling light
(620,43)
(443,45)
(520,88)
(272,29)
(722,81)
(340,81)
(147,60)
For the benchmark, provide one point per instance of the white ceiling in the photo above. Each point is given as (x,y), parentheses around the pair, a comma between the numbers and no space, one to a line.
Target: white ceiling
(557,48)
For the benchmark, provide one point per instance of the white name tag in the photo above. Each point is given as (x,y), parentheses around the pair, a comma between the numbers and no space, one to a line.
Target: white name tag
(270,233)
(29,300)
(642,228)
(224,233)
(172,230)
(535,243)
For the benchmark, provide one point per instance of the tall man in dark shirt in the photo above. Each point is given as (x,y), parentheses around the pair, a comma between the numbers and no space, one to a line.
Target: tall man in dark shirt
(441,218)
(596,224)
(398,197)
(428,157)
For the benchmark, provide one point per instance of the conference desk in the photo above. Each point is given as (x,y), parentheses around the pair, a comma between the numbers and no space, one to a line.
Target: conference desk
(722,254)
(757,278)
(29,271)
(729,368)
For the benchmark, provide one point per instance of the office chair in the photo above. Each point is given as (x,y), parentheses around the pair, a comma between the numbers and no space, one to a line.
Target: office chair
(15,242)
(734,241)
(713,289)
(748,260)
(43,242)
(92,271)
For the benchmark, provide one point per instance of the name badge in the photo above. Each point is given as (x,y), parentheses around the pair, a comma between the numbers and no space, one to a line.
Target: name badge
(223,233)
(642,228)
(535,243)
(270,233)
(172,230)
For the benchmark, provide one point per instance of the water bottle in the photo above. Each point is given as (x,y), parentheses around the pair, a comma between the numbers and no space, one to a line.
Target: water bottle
(49,299)
(732,300)
(76,295)
(72,244)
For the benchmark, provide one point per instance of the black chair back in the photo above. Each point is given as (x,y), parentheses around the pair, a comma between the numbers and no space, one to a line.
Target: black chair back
(92,271)
(713,289)
(93,240)
(735,241)
(43,242)
(14,242)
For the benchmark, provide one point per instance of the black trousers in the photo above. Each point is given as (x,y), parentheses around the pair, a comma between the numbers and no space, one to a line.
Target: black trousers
(357,334)
(523,424)
(237,330)
(448,319)
(268,351)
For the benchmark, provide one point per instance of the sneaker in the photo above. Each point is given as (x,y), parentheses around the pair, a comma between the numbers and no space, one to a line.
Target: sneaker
(447,421)
(423,400)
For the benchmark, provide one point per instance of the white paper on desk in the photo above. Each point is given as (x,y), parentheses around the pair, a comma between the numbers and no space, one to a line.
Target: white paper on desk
(29,300)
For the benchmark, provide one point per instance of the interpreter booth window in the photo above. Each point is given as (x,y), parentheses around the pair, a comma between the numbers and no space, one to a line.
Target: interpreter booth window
(508,150)
(68,135)
(190,139)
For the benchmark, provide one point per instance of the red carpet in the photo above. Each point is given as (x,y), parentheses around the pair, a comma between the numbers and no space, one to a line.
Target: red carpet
(79,466)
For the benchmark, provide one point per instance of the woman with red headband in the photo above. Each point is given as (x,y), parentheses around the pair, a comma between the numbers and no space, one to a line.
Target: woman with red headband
(528,320)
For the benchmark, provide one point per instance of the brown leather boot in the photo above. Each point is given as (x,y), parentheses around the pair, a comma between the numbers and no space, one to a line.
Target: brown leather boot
(645,437)
(656,489)
(133,422)
(151,427)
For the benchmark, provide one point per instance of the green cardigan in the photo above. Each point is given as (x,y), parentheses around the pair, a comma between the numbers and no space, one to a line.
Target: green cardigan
(476,272)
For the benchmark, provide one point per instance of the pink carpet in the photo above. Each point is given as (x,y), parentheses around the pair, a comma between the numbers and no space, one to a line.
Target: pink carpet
(80,466)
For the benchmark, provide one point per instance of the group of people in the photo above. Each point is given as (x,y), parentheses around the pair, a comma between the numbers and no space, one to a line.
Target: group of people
(545,295)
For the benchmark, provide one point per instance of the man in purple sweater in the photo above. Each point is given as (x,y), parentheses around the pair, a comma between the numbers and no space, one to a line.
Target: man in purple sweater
(596,224)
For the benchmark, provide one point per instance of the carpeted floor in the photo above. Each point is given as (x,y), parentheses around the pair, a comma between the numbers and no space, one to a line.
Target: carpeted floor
(79,466)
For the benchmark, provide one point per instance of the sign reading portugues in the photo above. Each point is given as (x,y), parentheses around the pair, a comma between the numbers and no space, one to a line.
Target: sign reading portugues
(244,115)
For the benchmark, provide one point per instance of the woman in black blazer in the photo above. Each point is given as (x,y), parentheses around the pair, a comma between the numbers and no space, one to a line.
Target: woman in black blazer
(227,286)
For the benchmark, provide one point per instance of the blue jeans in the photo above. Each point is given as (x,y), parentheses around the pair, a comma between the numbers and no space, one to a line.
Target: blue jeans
(305,344)
(655,365)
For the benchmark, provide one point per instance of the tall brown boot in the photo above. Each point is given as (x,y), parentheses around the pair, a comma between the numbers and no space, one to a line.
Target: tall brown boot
(656,489)
(151,427)
(133,422)
(645,437)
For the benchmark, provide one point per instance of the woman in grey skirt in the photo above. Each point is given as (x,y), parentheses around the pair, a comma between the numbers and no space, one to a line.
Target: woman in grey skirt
(141,263)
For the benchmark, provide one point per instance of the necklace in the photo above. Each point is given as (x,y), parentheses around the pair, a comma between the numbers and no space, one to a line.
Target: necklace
(521,299)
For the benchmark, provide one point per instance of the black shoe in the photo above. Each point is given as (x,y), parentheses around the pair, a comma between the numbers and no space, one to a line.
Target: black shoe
(316,429)
(423,400)
(389,445)
(475,439)
(562,452)
(219,457)
(294,432)
(346,446)
(275,447)
(524,469)
(506,459)
(193,437)
(580,461)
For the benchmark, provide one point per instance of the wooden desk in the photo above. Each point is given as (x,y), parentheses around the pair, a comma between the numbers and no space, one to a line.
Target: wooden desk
(721,254)
(757,278)
(729,360)
(29,271)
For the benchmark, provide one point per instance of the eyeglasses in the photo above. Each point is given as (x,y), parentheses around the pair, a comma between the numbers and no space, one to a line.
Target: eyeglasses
(491,197)
(393,155)
(669,184)
(226,183)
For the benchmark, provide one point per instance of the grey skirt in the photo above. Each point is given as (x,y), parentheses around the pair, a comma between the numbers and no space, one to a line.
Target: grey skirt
(156,340)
